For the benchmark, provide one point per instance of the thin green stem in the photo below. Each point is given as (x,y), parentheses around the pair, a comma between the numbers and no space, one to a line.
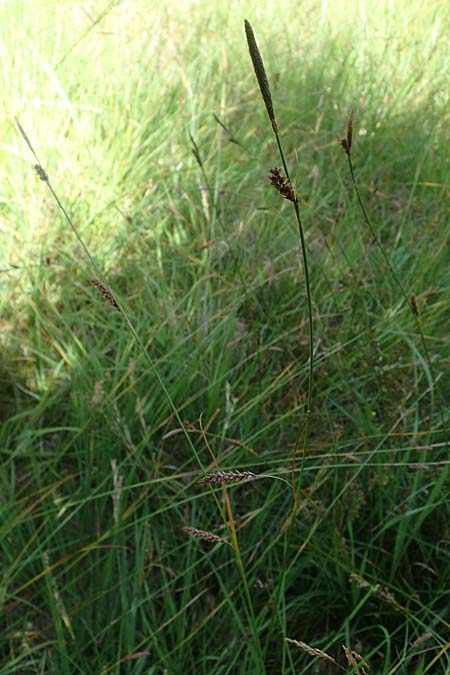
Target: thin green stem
(296,487)
(240,566)
(266,94)
(310,326)
(398,282)
(311,346)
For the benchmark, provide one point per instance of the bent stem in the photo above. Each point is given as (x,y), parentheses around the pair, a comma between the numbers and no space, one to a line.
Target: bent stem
(347,146)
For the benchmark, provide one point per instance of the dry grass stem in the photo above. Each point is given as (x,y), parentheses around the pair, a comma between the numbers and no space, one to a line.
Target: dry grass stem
(59,604)
(117,491)
(312,651)
(203,534)
(226,477)
(104,291)
(420,640)
(260,72)
(377,589)
(356,661)
(282,185)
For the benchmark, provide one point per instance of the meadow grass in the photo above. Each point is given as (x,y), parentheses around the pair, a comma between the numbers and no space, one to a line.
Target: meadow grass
(155,363)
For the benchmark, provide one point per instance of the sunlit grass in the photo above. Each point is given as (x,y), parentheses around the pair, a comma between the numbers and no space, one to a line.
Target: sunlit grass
(97,478)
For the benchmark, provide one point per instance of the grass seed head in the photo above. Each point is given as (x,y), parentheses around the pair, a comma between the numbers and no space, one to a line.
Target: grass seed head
(347,142)
(356,661)
(311,650)
(226,477)
(203,534)
(41,172)
(260,73)
(104,291)
(414,305)
(282,184)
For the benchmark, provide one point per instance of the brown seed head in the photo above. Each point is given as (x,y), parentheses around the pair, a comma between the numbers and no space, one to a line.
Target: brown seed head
(260,73)
(347,142)
(282,184)
(226,477)
(41,172)
(203,534)
(104,291)
(414,305)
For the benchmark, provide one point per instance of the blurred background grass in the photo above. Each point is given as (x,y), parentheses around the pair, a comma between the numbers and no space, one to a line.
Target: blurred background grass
(96,477)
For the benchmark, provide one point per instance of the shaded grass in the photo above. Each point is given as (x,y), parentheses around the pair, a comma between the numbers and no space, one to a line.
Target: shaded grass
(210,278)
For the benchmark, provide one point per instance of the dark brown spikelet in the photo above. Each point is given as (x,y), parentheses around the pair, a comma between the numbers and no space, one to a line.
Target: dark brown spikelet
(414,305)
(347,142)
(282,184)
(226,477)
(104,291)
(203,534)
(196,151)
(260,73)
(41,172)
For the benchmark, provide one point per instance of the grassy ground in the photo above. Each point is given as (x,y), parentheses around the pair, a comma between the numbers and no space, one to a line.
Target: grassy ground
(105,432)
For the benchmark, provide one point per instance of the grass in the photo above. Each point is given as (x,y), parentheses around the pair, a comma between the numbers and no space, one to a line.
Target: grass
(116,556)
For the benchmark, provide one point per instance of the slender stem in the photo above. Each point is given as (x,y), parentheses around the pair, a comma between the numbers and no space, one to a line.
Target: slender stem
(240,566)
(311,347)
(310,327)
(399,284)
(296,488)
(261,76)
(44,177)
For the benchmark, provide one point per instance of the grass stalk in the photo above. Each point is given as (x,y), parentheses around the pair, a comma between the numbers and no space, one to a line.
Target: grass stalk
(409,300)
(287,190)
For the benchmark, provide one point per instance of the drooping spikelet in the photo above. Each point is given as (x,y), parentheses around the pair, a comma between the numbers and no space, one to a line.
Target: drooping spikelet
(104,291)
(203,534)
(282,184)
(311,650)
(347,142)
(226,477)
(260,73)
(356,661)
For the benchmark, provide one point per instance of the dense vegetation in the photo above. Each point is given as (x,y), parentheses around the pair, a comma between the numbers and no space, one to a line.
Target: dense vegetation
(149,123)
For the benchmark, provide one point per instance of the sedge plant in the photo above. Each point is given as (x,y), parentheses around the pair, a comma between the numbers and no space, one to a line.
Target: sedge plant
(283,184)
